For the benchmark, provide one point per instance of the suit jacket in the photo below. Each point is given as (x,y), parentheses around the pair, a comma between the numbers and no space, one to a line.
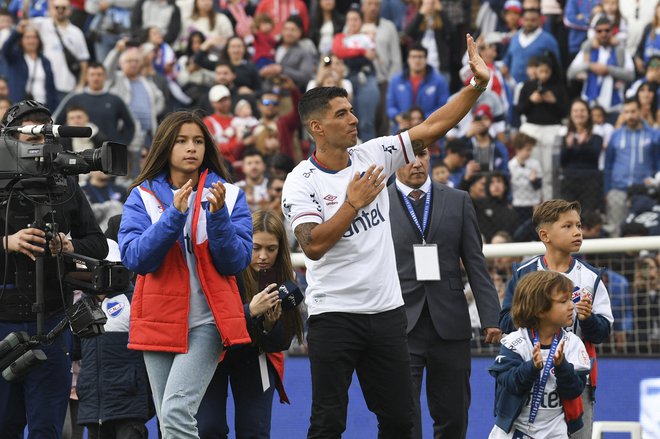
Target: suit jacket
(453,227)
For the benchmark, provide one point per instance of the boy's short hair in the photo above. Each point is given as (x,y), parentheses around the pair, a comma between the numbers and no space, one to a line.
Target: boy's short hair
(521,140)
(439,164)
(533,295)
(249,152)
(548,212)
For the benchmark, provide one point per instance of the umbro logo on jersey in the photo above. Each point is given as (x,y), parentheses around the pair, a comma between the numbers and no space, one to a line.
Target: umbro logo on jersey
(389,148)
(330,200)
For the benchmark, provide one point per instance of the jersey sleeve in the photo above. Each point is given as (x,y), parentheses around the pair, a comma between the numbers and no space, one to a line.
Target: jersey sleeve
(390,152)
(300,202)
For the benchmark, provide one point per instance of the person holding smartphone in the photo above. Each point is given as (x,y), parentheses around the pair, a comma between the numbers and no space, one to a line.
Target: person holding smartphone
(256,370)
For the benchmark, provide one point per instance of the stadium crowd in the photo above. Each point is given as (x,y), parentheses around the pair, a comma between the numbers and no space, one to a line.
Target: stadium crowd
(571,110)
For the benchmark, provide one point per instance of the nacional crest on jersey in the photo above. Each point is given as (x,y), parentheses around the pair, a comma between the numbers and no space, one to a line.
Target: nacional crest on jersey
(114,308)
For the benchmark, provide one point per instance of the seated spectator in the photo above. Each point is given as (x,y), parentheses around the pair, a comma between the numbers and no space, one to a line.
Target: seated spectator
(489,153)
(243,122)
(603,128)
(111,21)
(280,12)
(544,103)
(325,23)
(651,74)
(605,69)
(105,197)
(503,266)
(106,110)
(358,52)
(646,304)
(77,116)
(440,173)
(255,183)
(267,142)
(610,10)
(526,176)
(457,154)
(419,84)
(200,16)
(487,46)
(279,166)
(494,212)
(293,59)
(194,80)
(647,96)
(649,45)
(162,13)
(332,66)
(632,157)
(240,14)
(247,75)
(498,127)
(580,150)
(153,70)
(219,124)
(577,16)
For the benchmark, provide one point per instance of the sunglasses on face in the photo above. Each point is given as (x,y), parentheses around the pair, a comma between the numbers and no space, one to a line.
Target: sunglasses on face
(61,8)
(270,102)
(603,31)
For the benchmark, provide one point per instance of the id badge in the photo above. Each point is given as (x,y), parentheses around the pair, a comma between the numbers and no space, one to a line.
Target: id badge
(427,266)
(517,434)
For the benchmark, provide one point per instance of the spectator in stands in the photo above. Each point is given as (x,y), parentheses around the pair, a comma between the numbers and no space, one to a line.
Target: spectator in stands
(106,110)
(531,40)
(503,265)
(603,128)
(36,9)
(293,59)
(647,96)
(610,10)
(526,176)
(280,11)
(457,155)
(162,13)
(219,124)
(332,66)
(204,18)
(141,95)
(544,103)
(153,69)
(388,61)
(488,152)
(440,173)
(195,81)
(358,53)
(285,125)
(419,84)
(240,14)
(255,182)
(498,127)
(275,185)
(649,46)
(488,50)
(638,14)
(325,23)
(244,122)
(4,86)
(105,197)
(77,116)
(58,35)
(632,156)
(245,70)
(577,17)
(646,304)
(29,73)
(580,151)
(603,68)
(476,187)
(279,166)
(432,27)
(264,43)
(509,25)
(5,104)
(494,212)
(111,22)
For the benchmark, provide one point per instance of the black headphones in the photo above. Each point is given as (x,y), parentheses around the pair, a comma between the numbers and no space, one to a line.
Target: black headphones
(18,111)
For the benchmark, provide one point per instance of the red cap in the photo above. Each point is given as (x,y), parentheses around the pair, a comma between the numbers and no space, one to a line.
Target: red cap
(483,110)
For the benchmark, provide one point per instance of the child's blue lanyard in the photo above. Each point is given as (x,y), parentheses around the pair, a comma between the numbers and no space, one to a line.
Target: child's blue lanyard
(539,384)
(411,211)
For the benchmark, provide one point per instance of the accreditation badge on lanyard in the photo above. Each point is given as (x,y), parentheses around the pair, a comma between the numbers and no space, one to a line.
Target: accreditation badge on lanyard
(427,265)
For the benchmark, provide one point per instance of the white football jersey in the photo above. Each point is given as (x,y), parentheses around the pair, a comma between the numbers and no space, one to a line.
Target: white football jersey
(358,274)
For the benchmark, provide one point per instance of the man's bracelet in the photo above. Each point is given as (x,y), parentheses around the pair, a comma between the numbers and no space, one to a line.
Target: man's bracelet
(351,204)
(473,83)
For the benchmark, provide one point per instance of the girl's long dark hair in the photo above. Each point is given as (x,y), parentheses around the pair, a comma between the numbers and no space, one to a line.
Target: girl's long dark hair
(158,157)
(269,222)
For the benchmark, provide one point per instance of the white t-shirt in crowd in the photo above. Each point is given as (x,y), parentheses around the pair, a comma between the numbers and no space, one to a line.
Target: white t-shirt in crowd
(358,274)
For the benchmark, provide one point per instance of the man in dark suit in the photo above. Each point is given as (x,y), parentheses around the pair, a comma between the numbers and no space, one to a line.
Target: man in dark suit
(429,267)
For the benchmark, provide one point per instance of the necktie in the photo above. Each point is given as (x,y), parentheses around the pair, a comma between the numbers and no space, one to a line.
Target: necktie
(416,194)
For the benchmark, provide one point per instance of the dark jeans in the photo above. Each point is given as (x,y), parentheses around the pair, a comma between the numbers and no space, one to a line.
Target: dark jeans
(253,406)
(448,368)
(373,345)
(41,399)
(120,429)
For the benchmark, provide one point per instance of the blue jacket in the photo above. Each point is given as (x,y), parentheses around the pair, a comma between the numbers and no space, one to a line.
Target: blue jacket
(432,94)
(18,72)
(595,329)
(631,156)
(230,238)
(578,26)
(516,56)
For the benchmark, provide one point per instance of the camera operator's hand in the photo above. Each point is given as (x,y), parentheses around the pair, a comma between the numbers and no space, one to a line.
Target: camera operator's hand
(362,190)
(60,243)
(27,241)
(264,300)
(217,199)
(181,197)
(273,315)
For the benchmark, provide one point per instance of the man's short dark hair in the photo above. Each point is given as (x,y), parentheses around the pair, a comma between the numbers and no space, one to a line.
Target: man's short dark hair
(419,48)
(224,63)
(281,162)
(458,146)
(249,152)
(603,21)
(95,65)
(316,101)
(631,100)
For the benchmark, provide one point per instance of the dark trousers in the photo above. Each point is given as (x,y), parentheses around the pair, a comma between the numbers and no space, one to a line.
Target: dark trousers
(448,367)
(120,429)
(373,345)
(253,406)
(41,399)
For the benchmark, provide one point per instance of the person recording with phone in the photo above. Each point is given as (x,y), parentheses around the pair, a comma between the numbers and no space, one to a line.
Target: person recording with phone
(255,371)
(41,399)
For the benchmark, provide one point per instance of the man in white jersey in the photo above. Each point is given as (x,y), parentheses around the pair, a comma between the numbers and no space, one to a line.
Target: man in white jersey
(340,215)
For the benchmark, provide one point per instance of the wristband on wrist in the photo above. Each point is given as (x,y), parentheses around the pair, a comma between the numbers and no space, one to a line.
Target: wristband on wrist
(473,83)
